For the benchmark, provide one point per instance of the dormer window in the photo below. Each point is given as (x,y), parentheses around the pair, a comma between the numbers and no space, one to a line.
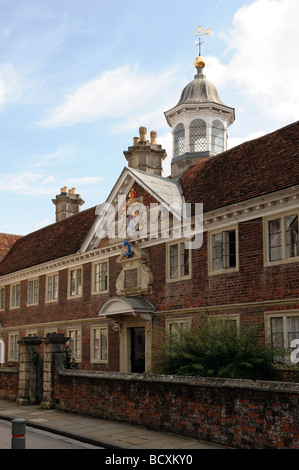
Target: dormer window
(179,140)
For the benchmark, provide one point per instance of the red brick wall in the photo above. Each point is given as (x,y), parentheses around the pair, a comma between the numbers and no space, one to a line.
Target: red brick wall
(9,383)
(252,283)
(238,413)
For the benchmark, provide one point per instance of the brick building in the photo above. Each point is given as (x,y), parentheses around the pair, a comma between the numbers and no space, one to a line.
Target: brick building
(116,294)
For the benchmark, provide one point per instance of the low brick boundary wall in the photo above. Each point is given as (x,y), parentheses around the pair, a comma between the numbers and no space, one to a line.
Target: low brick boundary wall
(9,382)
(237,413)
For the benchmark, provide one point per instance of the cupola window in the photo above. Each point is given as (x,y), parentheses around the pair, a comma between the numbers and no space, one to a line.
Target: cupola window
(198,132)
(217,137)
(179,140)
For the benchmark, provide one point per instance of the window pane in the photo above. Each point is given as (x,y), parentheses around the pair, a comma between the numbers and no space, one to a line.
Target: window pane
(277,332)
(173,261)
(229,249)
(293,329)
(96,344)
(50,289)
(184,260)
(55,287)
(72,283)
(217,251)
(35,298)
(78,283)
(291,231)
(275,243)
(101,277)
(104,344)
(2,305)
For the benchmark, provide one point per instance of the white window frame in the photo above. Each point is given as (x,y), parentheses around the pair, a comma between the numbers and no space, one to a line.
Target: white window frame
(32,333)
(223,270)
(50,277)
(181,246)
(227,317)
(32,291)
(2,299)
(282,217)
(75,342)
(96,332)
(174,325)
(97,269)
(78,289)
(13,347)
(49,330)
(285,315)
(15,297)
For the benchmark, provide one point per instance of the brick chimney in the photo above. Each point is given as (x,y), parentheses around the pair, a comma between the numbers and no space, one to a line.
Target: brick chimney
(144,155)
(67,203)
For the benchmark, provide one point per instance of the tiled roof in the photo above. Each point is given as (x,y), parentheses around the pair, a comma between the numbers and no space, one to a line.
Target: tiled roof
(261,166)
(7,240)
(49,243)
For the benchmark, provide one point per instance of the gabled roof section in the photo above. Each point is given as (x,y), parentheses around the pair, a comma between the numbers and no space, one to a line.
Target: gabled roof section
(49,243)
(165,190)
(7,240)
(255,168)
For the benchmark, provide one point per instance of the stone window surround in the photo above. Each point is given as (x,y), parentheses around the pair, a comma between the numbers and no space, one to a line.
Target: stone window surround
(211,271)
(93,360)
(281,215)
(179,278)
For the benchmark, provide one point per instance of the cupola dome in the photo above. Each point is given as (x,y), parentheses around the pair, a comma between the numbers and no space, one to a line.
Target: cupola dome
(199,122)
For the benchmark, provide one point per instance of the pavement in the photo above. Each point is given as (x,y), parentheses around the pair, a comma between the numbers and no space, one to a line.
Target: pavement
(101,432)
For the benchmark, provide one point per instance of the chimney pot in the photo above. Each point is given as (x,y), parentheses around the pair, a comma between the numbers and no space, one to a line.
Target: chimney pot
(142,132)
(153,137)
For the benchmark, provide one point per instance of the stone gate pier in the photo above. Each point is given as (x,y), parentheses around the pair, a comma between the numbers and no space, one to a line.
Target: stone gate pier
(36,375)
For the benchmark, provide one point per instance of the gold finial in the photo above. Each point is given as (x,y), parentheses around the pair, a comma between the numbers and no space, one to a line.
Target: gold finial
(199,62)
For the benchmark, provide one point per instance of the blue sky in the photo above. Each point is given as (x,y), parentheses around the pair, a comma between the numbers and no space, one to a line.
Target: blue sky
(78,78)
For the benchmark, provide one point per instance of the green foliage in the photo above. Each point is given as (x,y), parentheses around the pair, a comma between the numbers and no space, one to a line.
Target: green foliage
(70,360)
(216,349)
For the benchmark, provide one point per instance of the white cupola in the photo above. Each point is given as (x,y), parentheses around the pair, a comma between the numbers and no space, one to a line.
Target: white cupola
(199,122)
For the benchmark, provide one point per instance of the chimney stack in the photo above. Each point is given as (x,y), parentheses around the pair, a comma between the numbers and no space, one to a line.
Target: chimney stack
(67,203)
(144,155)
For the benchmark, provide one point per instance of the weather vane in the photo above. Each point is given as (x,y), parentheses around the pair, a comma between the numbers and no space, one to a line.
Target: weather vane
(201,32)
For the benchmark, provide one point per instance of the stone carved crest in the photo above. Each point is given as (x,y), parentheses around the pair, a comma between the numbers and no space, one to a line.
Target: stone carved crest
(135,277)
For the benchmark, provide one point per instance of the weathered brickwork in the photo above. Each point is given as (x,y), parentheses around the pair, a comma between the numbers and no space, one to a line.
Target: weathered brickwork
(237,413)
(9,383)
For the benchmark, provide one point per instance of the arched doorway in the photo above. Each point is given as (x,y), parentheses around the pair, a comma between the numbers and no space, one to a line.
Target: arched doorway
(134,319)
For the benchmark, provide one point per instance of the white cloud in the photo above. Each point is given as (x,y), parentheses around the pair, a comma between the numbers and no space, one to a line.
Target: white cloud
(234,141)
(84,180)
(115,94)
(48,159)
(263,63)
(2,91)
(35,184)
(10,84)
